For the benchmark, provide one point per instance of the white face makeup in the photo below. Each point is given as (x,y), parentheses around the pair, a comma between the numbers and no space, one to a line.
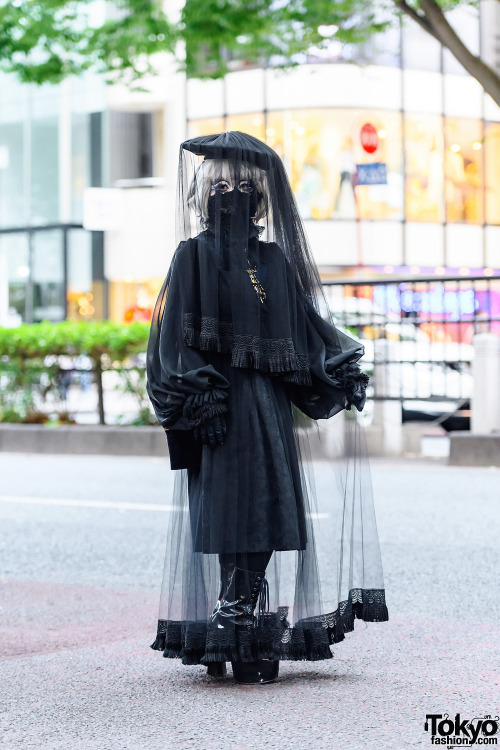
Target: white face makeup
(223,185)
(216,177)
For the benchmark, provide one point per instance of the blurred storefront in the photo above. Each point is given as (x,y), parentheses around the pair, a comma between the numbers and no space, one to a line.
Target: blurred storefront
(51,142)
(379,186)
(394,162)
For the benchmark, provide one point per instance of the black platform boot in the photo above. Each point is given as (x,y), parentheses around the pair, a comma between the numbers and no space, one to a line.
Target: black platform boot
(254,585)
(235,606)
(255,672)
(238,596)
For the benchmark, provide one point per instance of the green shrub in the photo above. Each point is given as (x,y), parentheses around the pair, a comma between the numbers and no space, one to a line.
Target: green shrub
(30,361)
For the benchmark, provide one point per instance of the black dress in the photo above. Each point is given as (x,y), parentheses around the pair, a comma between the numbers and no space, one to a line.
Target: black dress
(246,495)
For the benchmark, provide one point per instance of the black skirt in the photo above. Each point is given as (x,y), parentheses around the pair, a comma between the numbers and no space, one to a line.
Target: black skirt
(247,495)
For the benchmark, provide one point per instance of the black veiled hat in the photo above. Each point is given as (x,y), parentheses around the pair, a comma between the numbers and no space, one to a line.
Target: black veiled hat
(275,217)
(233,144)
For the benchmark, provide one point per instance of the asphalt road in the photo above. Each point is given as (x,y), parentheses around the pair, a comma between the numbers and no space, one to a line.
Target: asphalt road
(81,555)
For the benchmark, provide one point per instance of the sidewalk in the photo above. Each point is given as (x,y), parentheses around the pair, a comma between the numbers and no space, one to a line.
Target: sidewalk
(80,598)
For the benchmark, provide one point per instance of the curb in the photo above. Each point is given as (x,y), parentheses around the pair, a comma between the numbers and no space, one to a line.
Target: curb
(467,449)
(84,439)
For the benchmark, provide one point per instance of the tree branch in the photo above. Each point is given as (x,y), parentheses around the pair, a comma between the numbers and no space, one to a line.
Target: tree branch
(421,20)
(448,37)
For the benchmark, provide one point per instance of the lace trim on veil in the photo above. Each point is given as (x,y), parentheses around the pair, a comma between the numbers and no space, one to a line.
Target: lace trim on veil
(272,638)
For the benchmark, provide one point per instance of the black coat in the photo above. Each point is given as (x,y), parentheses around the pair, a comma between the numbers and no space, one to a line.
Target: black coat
(247,494)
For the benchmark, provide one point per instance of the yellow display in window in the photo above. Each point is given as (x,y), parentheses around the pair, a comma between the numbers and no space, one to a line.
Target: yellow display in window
(463,168)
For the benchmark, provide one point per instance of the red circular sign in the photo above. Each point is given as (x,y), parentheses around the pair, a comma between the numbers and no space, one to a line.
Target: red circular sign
(369,138)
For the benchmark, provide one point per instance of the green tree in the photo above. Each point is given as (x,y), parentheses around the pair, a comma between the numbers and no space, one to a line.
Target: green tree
(47,40)
(44,41)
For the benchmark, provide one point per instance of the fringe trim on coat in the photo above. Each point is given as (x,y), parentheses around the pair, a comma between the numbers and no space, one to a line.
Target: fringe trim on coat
(276,356)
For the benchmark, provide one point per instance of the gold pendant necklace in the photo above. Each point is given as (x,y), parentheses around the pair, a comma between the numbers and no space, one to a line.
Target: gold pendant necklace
(259,289)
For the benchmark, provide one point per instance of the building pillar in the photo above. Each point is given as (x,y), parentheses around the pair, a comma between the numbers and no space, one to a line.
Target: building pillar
(387,424)
(100,287)
(485,405)
(4,289)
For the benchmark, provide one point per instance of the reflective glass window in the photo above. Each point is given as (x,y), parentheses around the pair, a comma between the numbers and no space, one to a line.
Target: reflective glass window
(130,301)
(492,172)
(80,161)
(463,162)
(325,151)
(14,268)
(48,276)
(424,180)
(80,292)
(13,176)
(249,123)
(420,50)
(206,126)
(44,170)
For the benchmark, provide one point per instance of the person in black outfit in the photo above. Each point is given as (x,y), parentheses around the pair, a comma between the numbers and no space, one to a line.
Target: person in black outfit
(243,358)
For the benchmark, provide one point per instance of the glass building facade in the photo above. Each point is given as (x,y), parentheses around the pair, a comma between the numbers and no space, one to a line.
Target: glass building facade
(394,162)
(439,171)
(50,151)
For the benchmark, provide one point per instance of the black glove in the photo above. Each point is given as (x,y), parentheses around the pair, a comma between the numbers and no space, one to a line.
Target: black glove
(357,395)
(211,433)
(349,378)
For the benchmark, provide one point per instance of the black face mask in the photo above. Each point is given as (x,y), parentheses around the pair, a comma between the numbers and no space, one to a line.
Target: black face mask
(234,208)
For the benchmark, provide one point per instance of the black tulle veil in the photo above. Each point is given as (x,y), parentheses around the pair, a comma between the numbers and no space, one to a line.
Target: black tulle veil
(241,336)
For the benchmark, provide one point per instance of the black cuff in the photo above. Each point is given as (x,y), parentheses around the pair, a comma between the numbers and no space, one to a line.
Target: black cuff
(183,450)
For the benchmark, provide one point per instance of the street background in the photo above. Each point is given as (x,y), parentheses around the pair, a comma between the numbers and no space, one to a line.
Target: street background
(82,542)
(389,129)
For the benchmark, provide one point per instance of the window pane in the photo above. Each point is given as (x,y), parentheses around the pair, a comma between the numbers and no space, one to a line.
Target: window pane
(251,123)
(80,161)
(424,168)
(322,150)
(131,146)
(80,294)
(14,260)
(48,276)
(44,170)
(207,126)
(130,301)
(463,170)
(420,50)
(12,171)
(492,177)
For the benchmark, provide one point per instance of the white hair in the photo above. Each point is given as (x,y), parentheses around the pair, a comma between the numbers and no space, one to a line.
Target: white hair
(211,170)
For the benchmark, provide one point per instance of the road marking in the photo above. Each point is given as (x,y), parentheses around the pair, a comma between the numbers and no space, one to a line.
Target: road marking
(86,503)
(107,504)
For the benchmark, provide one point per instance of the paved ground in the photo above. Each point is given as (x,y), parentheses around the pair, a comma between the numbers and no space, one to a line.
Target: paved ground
(80,577)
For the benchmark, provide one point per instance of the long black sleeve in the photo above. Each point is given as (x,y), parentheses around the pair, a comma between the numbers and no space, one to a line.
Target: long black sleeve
(337,380)
(184,390)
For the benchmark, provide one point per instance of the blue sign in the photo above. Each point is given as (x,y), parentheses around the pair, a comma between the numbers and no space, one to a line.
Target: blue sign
(372,174)
(449,303)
